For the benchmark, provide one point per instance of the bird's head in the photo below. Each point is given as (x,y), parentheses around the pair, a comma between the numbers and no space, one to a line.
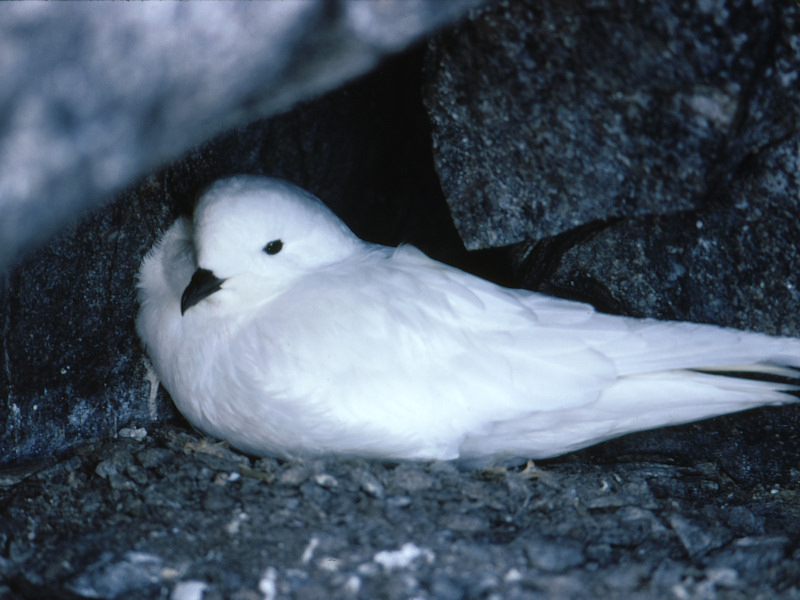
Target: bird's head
(254,237)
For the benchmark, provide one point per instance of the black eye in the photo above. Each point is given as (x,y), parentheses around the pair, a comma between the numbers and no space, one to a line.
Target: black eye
(273,247)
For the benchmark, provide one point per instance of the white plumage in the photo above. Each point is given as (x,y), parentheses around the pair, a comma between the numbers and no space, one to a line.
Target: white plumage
(273,327)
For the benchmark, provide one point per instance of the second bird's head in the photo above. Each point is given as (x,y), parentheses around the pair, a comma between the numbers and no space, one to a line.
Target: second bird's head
(254,237)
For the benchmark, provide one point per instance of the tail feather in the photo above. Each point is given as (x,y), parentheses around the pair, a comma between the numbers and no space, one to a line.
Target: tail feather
(665,346)
(779,378)
(637,403)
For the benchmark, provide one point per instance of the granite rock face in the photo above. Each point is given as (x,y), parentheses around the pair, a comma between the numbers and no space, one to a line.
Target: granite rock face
(548,115)
(172,516)
(730,262)
(72,361)
(647,152)
(94,96)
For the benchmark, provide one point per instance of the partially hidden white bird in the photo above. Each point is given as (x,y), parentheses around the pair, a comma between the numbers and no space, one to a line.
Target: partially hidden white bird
(272,326)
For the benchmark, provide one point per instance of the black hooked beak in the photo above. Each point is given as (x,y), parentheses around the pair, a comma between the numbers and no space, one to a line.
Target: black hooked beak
(203,284)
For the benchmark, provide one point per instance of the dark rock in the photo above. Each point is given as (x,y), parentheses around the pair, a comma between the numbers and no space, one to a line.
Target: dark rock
(370,484)
(463,523)
(151,458)
(554,556)
(729,266)
(112,576)
(410,480)
(217,499)
(751,557)
(626,578)
(742,520)
(183,524)
(294,476)
(446,589)
(547,116)
(698,539)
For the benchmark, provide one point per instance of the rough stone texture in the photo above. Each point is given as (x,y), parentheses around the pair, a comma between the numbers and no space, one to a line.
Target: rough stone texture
(550,115)
(173,514)
(731,265)
(93,96)
(72,364)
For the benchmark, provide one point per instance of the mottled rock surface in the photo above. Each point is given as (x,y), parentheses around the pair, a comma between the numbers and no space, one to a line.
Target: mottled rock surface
(730,262)
(549,115)
(173,514)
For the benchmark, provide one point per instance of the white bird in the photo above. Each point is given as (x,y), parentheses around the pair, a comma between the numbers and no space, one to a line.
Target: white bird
(272,326)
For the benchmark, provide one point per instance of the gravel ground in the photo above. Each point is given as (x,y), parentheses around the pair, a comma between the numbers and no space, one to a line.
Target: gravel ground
(173,515)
